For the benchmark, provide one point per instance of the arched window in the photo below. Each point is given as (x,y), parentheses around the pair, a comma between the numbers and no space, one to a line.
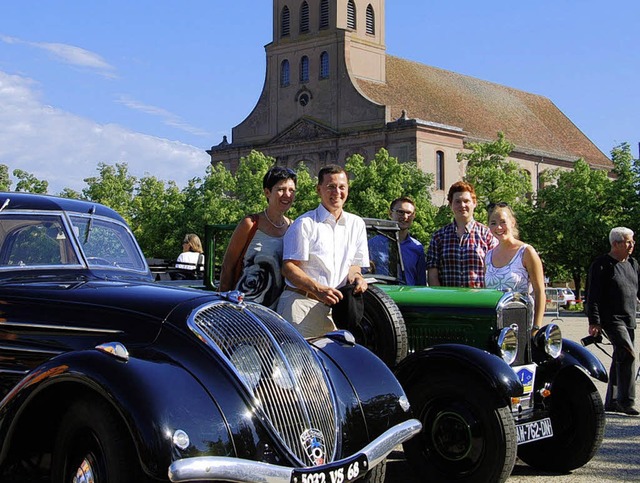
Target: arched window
(285,22)
(371,20)
(324,14)
(304,18)
(284,73)
(439,170)
(304,69)
(351,14)
(324,65)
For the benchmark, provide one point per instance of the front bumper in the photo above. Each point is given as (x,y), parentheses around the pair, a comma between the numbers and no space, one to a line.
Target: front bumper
(246,471)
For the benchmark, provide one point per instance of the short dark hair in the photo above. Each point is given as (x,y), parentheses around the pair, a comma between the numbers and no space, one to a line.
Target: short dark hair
(278,173)
(330,169)
(402,199)
(460,187)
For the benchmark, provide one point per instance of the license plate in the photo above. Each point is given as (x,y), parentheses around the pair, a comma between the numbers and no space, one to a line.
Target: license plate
(534,430)
(343,472)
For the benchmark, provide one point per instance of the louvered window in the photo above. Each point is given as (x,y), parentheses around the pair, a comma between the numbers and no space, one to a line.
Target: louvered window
(284,73)
(324,14)
(371,21)
(324,65)
(285,27)
(304,18)
(304,69)
(351,15)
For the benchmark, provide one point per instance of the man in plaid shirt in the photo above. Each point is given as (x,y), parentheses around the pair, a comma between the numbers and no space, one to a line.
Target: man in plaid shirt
(455,257)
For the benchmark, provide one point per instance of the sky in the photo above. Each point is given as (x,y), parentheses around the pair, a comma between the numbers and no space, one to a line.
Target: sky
(155,83)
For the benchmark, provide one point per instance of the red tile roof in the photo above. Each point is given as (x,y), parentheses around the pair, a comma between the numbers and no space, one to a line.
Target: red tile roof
(532,122)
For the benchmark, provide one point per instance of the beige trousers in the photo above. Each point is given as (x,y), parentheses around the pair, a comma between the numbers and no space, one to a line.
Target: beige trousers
(310,317)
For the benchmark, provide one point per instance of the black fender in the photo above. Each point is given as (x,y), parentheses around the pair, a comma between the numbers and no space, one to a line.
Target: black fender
(496,373)
(575,354)
(154,399)
(377,394)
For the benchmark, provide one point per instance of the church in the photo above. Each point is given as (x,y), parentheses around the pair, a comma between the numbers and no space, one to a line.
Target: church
(331,91)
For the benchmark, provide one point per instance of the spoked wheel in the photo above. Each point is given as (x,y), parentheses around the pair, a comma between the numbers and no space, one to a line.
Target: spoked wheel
(92,445)
(382,329)
(466,437)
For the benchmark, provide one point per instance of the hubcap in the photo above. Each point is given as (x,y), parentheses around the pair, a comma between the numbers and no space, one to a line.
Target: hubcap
(451,436)
(85,472)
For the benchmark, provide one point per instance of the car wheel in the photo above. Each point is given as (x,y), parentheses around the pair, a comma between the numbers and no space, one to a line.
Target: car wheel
(382,329)
(578,420)
(466,436)
(377,474)
(92,445)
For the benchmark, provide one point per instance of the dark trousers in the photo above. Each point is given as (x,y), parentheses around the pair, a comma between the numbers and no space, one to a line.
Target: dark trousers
(621,387)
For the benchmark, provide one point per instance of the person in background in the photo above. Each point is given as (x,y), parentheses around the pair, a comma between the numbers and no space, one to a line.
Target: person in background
(192,257)
(455,257)
(325,249)
(403,211)
(614,289)
(252,262)
(514,265)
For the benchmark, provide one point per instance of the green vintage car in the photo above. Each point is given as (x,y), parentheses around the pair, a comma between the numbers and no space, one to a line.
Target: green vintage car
(484,390)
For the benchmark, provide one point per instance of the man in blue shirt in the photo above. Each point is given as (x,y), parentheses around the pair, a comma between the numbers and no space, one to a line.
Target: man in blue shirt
(403,211)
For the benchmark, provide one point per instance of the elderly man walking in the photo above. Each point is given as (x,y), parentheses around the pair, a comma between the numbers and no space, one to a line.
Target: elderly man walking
(613,290)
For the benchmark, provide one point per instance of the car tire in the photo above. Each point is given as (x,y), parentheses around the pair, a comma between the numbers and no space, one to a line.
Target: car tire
(578,421)
(382,329)
(92,438)
(466,436)
(377,474)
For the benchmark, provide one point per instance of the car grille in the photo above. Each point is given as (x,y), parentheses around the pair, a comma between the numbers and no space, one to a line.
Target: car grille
(290,387)
(515,311)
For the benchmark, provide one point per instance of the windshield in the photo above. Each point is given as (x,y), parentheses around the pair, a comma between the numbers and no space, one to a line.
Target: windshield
(383,253)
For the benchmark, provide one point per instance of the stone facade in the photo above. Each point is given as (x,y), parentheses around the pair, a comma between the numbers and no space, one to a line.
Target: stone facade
(331,91)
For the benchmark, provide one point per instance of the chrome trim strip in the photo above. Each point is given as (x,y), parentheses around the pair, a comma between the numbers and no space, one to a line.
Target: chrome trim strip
(13,348)
(239,470)
(59,328)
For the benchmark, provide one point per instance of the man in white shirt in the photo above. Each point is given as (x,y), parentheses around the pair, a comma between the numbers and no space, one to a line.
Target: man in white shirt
(324,249)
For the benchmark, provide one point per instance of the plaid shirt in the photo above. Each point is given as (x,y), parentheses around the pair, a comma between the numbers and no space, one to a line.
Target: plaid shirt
(460,260)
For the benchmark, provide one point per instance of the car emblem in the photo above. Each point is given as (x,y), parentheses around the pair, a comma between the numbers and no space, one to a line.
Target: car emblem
(313,442)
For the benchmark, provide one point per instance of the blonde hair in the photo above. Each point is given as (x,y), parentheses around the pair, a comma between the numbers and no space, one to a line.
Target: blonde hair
(195,245)
(493,207)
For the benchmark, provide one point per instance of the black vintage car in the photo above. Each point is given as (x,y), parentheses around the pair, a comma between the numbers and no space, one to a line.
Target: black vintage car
(106,376)
(483,388)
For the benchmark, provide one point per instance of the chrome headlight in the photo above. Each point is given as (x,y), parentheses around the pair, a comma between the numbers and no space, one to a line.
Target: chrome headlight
(508,344)
(246,360)
(552,340)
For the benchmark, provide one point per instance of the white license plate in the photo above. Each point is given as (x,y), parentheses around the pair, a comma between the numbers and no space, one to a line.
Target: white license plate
(534,431)
(344,472)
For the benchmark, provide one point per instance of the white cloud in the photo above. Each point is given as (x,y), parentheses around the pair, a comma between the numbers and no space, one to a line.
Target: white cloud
(167,117)
(64,149)
(69,54)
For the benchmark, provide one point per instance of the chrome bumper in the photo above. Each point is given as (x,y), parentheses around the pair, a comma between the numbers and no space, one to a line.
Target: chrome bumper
(246,471)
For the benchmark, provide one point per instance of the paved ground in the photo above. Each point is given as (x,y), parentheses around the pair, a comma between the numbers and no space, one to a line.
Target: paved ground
(617,460)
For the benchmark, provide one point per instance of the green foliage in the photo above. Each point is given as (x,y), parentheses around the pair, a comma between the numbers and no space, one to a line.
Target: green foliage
(5,182)
(374,185)
(28,183)
(113,187)
(306,195)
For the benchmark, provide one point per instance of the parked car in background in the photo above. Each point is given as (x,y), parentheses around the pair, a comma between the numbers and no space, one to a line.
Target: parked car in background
(484,390)
(567,297)
(106,376)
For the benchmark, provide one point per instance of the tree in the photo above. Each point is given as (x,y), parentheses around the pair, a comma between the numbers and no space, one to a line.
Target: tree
(625,192)
(5,182)
(374,185)
(113,188)
(28,183)
(572,220)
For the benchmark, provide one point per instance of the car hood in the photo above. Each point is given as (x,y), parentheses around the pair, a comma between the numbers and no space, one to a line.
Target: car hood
(416,296)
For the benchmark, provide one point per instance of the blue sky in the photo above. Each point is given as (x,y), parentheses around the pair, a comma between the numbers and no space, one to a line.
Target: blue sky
(156,83)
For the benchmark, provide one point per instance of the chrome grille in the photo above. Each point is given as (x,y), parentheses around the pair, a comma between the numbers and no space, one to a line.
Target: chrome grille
(516,311)
(291,389)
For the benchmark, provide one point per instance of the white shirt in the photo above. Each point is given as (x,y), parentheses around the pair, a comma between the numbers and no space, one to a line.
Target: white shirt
(191,258)
(325,247)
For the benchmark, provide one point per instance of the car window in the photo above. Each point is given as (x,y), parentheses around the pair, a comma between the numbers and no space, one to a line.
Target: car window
(34,240)
(107,244)
(383,254)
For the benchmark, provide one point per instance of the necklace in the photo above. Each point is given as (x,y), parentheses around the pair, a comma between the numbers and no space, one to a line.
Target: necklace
(284,222)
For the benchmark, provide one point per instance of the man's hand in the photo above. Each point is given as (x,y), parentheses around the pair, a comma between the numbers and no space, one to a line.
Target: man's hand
(328,295)
(594,330)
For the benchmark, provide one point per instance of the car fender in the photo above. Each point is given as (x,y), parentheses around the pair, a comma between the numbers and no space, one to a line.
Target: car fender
(496,373)
(154,398)
(573,354)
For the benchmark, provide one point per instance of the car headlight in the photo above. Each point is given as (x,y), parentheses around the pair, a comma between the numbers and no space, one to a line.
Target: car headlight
(246,360)
(508,344)
(552,340)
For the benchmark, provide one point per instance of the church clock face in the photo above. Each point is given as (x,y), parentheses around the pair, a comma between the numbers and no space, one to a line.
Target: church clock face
(304,99)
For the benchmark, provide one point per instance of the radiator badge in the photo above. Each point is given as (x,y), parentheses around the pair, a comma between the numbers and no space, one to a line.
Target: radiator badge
(313,442)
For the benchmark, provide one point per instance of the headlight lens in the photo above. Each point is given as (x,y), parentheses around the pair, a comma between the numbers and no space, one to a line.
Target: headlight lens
(553,340)
(246,360)
(508,344)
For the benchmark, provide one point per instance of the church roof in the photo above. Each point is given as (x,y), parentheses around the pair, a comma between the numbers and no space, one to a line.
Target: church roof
(532,122)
